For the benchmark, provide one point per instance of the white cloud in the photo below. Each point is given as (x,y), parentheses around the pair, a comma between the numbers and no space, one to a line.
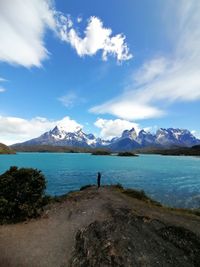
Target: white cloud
(2,89)
(2,79)
(127,107)
(196,133)
(22,29)
(97,38)
(23,25)
(68,100)
(150,70)
(71,99)
(164,79)
(79,19)
(14,130)
(114,128)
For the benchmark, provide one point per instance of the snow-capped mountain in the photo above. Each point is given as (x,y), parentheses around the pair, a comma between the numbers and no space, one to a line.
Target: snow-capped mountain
(163,138)
(129,139)
(177,137)
(59,136)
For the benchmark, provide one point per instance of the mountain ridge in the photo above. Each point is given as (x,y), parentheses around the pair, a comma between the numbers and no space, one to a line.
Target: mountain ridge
(129,139)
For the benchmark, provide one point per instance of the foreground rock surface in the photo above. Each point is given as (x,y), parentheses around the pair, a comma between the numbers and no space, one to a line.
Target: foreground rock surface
(130,240)
(103,228)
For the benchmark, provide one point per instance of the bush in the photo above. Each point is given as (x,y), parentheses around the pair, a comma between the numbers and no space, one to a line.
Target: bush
(21,194)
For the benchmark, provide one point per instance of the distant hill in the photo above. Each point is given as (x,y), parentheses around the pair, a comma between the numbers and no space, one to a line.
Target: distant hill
(5,149)
(173,151)
(128,141)
(49,148)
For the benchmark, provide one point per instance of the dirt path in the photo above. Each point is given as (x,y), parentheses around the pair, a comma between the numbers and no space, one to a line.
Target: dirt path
(49,241)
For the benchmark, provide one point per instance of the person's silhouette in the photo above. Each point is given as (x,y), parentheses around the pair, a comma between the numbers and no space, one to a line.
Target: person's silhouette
(99,179)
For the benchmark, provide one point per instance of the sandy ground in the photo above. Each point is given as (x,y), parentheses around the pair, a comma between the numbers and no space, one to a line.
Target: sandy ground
(49,240)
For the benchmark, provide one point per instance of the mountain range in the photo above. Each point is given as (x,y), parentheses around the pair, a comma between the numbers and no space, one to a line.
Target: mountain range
(129,140)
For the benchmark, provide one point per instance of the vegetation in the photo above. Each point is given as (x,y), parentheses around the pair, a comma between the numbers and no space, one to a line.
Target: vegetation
(141,195)
(101,152)
(59,149)
(138,194)
(21,194)
(127,154)
(173,151)
(49,148)
(5,149)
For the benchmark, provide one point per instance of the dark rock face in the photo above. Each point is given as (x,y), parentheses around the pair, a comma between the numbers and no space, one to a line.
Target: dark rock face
(130,240)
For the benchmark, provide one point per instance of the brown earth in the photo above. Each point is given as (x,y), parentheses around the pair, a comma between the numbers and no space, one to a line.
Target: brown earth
(102,227)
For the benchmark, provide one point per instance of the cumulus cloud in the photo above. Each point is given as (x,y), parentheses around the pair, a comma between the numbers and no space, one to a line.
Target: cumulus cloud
(22,29)
(23,25)
(14,130)
(164,79)
(97,38)
(114,128)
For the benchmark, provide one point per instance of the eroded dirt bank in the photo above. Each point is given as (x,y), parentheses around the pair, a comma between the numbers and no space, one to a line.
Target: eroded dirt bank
(102,228)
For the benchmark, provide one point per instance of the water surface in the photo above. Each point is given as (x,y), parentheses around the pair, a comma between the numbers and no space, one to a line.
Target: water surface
(172,180)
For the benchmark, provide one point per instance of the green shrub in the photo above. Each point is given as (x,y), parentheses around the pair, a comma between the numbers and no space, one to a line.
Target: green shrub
(21,194)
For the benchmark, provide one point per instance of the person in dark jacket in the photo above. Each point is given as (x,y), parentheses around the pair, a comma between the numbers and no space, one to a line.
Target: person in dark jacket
(99,179)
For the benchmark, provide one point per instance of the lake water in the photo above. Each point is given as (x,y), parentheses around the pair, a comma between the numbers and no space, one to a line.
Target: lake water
(173,181)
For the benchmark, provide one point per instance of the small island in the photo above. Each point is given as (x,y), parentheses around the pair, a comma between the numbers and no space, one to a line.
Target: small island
(127,154)
(101,153)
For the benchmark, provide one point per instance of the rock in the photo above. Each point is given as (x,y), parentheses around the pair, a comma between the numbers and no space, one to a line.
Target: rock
(130,240)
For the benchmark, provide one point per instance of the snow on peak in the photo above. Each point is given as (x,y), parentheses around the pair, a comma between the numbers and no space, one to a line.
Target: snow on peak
(68,125)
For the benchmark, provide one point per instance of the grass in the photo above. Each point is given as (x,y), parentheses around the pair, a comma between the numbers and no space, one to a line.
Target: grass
(185,211)
(141,195)
(138,194)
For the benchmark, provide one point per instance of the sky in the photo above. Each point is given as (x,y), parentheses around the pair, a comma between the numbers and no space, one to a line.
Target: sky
(104,66)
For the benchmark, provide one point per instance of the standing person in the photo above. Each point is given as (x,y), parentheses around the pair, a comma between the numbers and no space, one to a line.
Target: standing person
(99,179)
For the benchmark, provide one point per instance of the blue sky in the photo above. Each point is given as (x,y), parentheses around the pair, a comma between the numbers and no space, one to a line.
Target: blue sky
(59,60)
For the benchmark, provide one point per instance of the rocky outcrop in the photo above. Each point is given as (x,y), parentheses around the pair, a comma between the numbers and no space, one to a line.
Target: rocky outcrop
(130,240)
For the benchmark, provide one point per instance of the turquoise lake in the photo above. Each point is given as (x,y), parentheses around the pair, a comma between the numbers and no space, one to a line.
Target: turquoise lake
(174,181)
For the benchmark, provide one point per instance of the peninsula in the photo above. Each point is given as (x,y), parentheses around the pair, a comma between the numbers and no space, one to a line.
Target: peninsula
(109,226)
